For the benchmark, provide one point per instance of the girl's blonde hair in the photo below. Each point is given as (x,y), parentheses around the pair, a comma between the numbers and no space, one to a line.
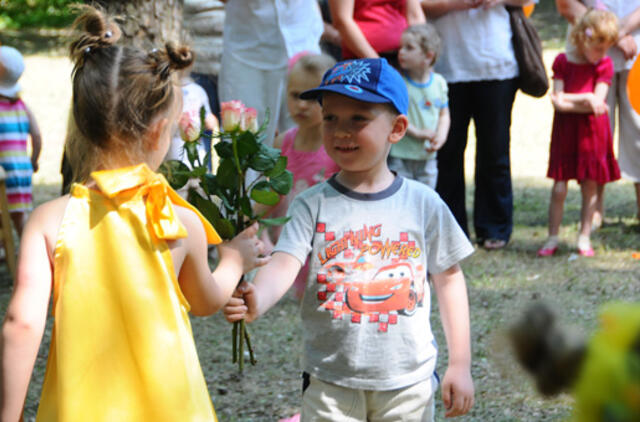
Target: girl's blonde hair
(314,65)
(118,92)
(595,26)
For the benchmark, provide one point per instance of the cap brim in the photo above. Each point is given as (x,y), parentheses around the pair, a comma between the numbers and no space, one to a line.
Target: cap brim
(351,91)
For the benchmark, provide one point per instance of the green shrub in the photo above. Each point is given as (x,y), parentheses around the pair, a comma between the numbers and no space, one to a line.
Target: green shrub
(17,14)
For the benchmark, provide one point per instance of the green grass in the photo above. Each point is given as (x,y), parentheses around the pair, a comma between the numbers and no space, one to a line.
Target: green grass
(500,283)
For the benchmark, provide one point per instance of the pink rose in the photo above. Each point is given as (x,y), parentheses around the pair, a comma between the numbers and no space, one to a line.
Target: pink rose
(231,113)
(249,120)
(190,126)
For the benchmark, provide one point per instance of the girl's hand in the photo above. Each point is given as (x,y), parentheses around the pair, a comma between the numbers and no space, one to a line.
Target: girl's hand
(245,248)
(242,304)
(34,164)
(597,105)
(457,390)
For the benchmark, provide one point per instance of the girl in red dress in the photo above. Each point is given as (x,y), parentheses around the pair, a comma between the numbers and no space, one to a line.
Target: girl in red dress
(581,139)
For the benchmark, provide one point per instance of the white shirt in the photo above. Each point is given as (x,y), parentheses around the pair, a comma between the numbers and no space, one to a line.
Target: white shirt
(266,33)
(476,45)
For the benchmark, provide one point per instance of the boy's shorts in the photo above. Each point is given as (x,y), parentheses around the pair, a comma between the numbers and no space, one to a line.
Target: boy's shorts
(322,401)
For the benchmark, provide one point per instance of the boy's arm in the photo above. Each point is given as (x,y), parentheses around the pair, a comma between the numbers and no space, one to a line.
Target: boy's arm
(444,123)
(25,319)
(36,140)
(272,281)
(421,134)
(457,385)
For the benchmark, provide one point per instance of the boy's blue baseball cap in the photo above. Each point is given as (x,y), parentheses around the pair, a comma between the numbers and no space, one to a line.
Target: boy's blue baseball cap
(368,80)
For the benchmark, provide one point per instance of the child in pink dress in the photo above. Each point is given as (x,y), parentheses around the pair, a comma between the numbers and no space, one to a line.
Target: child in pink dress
(581,139)
(302,145)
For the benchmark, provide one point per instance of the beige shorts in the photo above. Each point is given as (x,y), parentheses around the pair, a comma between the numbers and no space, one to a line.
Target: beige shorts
(322,401)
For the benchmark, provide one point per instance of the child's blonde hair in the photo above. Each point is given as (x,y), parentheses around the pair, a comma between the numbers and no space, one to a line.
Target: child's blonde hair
(427,37)
(595,26)
(314,65)
(118,92)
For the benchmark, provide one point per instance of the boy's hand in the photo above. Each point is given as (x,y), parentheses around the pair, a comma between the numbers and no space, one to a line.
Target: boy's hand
(457,390)
(246,248)
(242,304)
(435,145)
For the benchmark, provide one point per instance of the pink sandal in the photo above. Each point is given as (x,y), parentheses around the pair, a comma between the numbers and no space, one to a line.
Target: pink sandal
(549,248)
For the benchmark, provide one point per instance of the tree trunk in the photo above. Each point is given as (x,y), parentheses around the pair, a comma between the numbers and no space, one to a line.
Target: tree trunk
(147,23)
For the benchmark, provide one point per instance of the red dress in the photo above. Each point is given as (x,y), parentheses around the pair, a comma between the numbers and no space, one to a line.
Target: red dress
(582,144)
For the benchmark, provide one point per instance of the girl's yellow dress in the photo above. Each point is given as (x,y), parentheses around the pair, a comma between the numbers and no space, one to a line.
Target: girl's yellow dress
(122,347)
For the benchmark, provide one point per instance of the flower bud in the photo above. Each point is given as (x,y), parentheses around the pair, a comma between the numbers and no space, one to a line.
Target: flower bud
(189,124)
(249,120)
(231,112)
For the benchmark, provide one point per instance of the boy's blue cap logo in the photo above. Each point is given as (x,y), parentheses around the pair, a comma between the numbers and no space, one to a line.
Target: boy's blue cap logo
(368,80)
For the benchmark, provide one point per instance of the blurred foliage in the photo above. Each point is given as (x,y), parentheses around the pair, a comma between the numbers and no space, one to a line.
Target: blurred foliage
(17,14)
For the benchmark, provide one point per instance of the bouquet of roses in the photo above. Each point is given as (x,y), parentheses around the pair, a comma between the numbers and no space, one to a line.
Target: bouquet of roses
(224,198)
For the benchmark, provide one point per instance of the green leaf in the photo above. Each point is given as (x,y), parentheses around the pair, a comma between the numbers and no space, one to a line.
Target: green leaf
(281,165)
(263,194)
(224,149)
(274,221)
(225,229)
(245,206)
(247,144)
(199,171)
(282,183)
(227,175)
(176,172)
(203,113)
(265,159)
(210,182)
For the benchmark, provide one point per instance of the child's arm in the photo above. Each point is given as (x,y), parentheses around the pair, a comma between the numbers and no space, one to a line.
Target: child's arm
(626,42)
(421,134)
(437,8)
(571,10)
(36,140)
(272,281)
(585,102)
(26,315)
(444,123)
(457,385)
(207,292)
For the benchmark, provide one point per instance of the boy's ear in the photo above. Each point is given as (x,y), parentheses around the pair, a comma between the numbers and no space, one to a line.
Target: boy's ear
(398,128)
(156,129)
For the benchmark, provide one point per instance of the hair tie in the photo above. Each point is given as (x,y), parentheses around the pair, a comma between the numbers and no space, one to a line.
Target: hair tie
(108,34)
(600,5)
(153,51)
(588,32)
(87,50)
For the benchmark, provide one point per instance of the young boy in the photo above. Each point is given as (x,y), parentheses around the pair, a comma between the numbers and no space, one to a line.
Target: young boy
(373,236)
(415,155)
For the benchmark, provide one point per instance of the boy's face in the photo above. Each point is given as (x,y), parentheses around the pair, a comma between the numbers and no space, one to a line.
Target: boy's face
(357,135)
(411,56)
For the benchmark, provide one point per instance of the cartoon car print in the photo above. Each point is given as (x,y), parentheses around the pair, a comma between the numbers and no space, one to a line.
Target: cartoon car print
(391,289)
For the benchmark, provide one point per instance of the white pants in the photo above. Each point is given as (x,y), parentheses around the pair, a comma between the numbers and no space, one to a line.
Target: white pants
(628,127)
(324,402)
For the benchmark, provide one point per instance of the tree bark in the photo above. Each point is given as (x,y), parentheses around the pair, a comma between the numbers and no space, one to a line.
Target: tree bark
(147,23)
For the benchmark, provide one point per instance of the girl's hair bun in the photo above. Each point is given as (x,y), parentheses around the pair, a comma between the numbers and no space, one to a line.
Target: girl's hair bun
(96,30)
(173,57)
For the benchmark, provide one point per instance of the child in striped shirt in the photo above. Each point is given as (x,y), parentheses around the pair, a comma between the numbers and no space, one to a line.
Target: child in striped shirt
(17,123)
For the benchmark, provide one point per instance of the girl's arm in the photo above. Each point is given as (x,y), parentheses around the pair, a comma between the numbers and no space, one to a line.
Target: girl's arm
(457,385)
(36,140)
(26,315)
(442,131)
(586,102)
(421,134)
(415,14)
(207,292)
(352,36)
(437,8)
(272,281)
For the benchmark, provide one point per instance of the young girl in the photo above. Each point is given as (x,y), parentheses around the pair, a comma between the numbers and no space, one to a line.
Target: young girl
(17,123)
(581,140)
(125,256)
(302,145)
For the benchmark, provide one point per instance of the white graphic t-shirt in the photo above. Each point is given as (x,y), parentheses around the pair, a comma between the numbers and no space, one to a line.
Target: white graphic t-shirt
(365,310)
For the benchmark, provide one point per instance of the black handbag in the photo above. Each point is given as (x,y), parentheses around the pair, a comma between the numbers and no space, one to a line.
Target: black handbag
(527,47)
